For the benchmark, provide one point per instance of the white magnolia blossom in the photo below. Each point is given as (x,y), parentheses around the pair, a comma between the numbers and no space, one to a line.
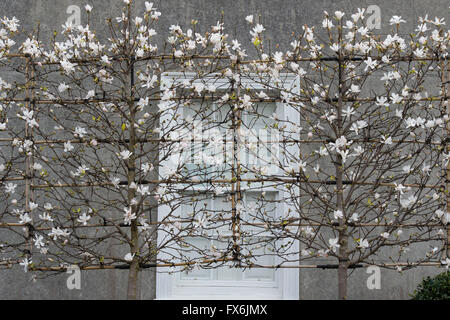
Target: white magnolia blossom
(84,218)
(48,206)
(333,243)
(129,257)
(354,217)
(68,146)
(39,241)
(24,218)
(79,132)
(386,140)
(399,188)
(125,154)
(396,20)
(128,215)
(370,64)
(382,102)
(407,202)
(358,125)
(339,14)
(338,214)
(10,187)
(68,66)
(385,235)
(33,205)
(45,216)
(58,232)
(363,243)
(25,263)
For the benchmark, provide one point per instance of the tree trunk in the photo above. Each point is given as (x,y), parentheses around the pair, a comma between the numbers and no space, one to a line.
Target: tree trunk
(132,292)
(340,205)
(133,277)
(342,279)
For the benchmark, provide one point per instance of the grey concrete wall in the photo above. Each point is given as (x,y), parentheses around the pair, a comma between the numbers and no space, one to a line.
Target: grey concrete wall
(280,18)
(322,284)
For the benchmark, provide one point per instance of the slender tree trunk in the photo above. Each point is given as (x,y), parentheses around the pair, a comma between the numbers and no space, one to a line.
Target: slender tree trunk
(134,244)
(342,279)
(339,165)
(132,292)
(133,275)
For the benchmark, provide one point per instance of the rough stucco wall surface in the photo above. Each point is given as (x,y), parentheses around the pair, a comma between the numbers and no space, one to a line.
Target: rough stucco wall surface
(280,18)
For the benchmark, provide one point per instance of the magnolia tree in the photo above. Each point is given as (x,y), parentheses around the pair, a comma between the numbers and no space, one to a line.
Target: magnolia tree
(193,155)
(369,157)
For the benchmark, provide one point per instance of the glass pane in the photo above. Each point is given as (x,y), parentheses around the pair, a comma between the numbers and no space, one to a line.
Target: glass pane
(225,272)
(258,121)
(197,245)
(258,207)
(222,209)
(263,258)
(207,151)
(194,206)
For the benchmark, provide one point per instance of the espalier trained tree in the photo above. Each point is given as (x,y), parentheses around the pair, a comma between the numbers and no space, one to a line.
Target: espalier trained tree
(98,136)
